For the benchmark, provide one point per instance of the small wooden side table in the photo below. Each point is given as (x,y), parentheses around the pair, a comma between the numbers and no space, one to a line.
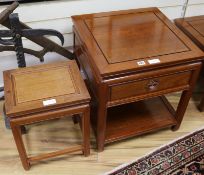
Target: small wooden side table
(45,92)
(194,28)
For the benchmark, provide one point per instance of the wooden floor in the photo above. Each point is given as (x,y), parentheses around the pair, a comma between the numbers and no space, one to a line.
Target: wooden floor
(57,134)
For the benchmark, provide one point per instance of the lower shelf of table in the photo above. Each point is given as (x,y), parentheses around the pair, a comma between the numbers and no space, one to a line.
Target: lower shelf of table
(139,117)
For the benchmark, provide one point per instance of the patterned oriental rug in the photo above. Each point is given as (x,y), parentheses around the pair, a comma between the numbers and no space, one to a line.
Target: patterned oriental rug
(184,156)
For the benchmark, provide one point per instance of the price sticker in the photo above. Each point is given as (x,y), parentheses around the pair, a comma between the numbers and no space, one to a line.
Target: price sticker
(141,63)
(154,61)
(49,102)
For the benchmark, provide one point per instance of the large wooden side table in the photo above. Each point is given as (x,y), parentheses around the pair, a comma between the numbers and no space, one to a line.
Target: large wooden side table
(131,59)
(46,92)
(194,28)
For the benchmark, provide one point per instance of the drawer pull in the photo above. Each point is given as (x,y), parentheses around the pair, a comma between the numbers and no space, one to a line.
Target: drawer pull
(152,84)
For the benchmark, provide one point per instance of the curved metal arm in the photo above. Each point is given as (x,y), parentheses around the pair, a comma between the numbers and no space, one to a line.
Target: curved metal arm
(42,32)
(38,54)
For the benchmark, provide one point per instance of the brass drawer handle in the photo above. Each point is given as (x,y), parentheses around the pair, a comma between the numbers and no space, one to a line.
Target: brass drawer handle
(152,84)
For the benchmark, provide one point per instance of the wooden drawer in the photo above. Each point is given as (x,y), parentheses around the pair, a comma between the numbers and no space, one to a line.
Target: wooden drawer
(150,85)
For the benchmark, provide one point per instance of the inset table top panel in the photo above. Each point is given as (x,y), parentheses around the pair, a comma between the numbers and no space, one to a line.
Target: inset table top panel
(194,28)
(131,40)
(134,36)
(43,87)
(40,84)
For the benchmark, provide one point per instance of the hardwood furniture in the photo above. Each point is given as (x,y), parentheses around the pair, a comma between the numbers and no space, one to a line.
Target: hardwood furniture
(46,92)
(131,59)
(194,28)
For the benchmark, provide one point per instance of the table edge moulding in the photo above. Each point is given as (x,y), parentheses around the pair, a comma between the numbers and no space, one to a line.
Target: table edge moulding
(185,25)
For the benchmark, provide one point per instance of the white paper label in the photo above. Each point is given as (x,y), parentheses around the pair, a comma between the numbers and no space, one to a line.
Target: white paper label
(140,63)
(154,61)
(49,102)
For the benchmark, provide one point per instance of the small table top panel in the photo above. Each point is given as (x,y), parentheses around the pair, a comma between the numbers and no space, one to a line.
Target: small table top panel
(194,28)
(118,41)
(38,85)
(43,87)
(133,36)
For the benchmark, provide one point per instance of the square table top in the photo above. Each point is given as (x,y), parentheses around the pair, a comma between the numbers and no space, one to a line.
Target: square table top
(194,28)
(131,40)
(42,87)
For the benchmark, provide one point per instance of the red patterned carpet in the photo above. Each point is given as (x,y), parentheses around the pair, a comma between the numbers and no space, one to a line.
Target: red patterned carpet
(184,156)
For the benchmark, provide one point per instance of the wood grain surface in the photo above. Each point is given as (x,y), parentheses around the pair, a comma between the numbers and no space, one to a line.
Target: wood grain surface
(42,84)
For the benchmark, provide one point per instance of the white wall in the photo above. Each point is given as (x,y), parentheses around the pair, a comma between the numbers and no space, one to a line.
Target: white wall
(56,15)
(195,8)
